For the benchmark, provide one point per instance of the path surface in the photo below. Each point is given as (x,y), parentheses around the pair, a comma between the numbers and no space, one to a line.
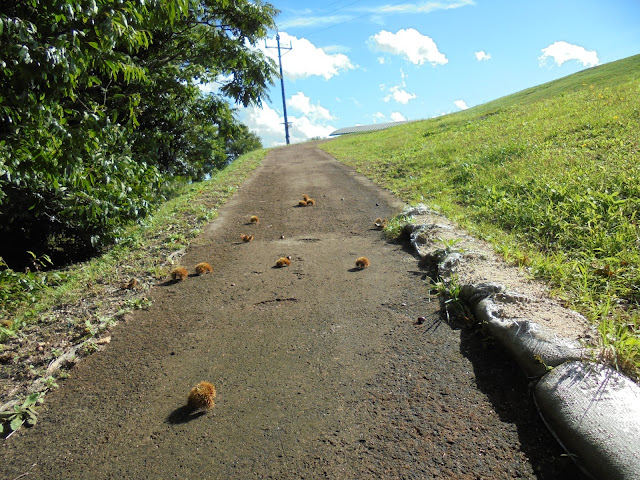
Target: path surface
(320,370)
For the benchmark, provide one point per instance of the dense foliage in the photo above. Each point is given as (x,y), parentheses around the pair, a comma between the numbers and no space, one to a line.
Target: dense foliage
(100,108)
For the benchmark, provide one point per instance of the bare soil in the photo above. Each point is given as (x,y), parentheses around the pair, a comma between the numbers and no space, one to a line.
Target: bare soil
(321,369)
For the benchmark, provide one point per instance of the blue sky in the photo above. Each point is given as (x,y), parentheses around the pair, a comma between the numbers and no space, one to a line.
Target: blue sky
(357,62)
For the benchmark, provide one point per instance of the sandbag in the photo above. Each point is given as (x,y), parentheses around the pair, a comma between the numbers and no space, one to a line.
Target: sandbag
(532,346)
(594,412)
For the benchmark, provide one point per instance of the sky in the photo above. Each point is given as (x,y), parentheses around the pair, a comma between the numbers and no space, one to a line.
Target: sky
(359,62)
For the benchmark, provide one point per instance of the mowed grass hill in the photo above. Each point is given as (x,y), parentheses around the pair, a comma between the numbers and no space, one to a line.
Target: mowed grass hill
(549,175)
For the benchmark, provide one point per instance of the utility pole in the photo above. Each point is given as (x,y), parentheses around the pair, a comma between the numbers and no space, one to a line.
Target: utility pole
(284,103)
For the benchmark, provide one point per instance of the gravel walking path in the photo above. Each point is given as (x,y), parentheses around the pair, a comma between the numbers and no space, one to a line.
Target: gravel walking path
(320,368)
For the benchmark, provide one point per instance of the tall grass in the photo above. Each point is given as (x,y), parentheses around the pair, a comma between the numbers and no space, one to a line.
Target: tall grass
(550,175)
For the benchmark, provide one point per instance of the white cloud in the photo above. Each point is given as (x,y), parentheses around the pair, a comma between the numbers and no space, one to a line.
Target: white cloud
(397,117)
(302,103)
(302,129)
(378,116)
(316,21)
(411,44)
(403,76)
(336,49)
(422,7)
(563,52)
(305,59)
(214,87)
(211,87)
(309,18)
(481,55)
(399,95)
(268,124)
(461,104)
(381,60)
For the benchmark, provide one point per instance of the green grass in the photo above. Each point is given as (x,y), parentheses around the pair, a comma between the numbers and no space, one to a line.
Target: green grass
(550,175)
(141,252)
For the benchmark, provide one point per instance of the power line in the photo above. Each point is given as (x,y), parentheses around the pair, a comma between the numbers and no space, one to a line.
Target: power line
(284,102)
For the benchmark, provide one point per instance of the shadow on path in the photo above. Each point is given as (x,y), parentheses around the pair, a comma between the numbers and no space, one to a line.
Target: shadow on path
(513,402)
(183,414)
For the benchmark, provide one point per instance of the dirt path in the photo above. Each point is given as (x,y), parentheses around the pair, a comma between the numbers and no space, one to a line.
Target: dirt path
(320,369)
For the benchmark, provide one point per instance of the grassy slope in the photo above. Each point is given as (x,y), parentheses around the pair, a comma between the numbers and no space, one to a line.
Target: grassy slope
(142,252)
(551,175)
(39,325)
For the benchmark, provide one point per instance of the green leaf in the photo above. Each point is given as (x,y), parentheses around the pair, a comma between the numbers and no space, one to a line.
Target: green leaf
(16,423)
(94,45)
(31,399)
(32,419)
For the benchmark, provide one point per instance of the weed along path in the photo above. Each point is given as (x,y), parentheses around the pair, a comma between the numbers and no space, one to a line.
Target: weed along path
(321,369)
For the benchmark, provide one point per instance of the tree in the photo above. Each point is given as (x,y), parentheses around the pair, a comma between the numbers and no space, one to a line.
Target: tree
(99,105)
(243,141)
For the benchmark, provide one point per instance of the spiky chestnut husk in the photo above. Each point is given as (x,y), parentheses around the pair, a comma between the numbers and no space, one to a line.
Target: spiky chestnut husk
(380,223)
(283,262)
(311,202)
(202,396)
(131,284)
(179,273)
(362,262)
(254,219)
(305,197)
(246,238)
(302,203)
(203,267)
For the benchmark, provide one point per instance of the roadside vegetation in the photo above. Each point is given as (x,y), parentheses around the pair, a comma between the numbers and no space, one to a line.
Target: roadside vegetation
(102,114)
(550,175)
(142,251)
(40,325)
(106,138)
